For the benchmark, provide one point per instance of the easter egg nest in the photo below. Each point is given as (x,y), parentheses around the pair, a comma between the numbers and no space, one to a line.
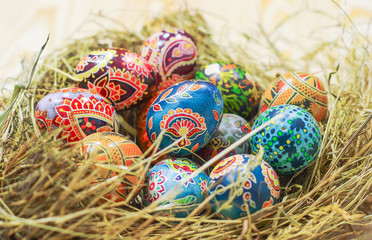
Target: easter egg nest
(44,195)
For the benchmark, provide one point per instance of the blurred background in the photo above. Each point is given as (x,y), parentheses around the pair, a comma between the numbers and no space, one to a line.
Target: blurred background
(25,25)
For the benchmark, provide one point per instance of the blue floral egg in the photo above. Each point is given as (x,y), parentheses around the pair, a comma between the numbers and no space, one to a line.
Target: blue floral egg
(231,129)
(170,177)
(189,112)
(291,142)
(242,184)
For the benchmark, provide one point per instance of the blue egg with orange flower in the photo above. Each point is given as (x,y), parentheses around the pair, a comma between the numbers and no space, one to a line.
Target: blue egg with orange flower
(188,114)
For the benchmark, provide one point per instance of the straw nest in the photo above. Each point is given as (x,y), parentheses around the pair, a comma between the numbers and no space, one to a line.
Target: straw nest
(44,195)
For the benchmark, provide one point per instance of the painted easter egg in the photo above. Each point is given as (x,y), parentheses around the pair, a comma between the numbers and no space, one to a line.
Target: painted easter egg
(77,113)
(291,142)
(188,113)
(143,139)
(173,54)
(170,178)
(115,151)
(300,89)
(241,96)
(231,129)
(256,186)
(121,76)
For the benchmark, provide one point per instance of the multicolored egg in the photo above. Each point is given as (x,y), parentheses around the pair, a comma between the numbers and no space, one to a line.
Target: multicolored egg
(241,96)
(173,54)
(291,142)
(77,113)
(115,151)
(121,76)
(242,184)
(300,89)
(170,178)
(188,113)
(231,129)
(143,139)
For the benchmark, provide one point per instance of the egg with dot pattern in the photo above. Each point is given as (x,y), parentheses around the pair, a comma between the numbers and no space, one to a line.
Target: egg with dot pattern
(290,142)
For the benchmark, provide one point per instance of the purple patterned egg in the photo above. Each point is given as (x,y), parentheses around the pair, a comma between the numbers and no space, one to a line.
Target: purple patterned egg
(173,54)
(170,178)
(241,95)
(231,129)
(242,184)
(188,113)
(77,113)
(291,142)
(117,74)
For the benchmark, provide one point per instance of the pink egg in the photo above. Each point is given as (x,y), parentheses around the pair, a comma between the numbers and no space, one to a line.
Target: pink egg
(173,54)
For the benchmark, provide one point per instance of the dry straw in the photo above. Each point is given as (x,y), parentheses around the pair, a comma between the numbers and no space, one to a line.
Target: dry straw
(45,195)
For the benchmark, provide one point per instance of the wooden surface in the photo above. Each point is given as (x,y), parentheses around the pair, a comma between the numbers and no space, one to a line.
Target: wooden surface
(25,24)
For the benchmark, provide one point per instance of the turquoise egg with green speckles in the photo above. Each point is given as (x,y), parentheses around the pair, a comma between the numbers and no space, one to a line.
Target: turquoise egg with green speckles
(290,142)
(241,95)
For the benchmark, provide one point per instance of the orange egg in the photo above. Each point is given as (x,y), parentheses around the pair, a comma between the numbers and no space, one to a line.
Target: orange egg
(119,154)
(300,89)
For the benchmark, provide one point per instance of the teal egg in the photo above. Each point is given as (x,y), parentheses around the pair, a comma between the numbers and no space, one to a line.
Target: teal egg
(291,142)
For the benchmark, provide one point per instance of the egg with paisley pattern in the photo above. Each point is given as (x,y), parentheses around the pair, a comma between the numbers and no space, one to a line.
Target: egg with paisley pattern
(173,54)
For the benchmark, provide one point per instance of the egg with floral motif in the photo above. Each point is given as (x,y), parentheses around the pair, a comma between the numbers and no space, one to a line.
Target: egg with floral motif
(241,95)
(185,116)
(178,193)
(77,113)
(242,184)
(231,129)
(291,142)
(173,54)
(121,76)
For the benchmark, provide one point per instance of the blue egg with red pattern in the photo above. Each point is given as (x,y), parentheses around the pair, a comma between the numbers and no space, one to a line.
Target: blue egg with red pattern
(170,178)
(291,142)
(188,113)
(242,184)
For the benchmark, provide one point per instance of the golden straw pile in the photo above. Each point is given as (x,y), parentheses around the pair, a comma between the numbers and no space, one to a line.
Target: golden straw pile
(44,195)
